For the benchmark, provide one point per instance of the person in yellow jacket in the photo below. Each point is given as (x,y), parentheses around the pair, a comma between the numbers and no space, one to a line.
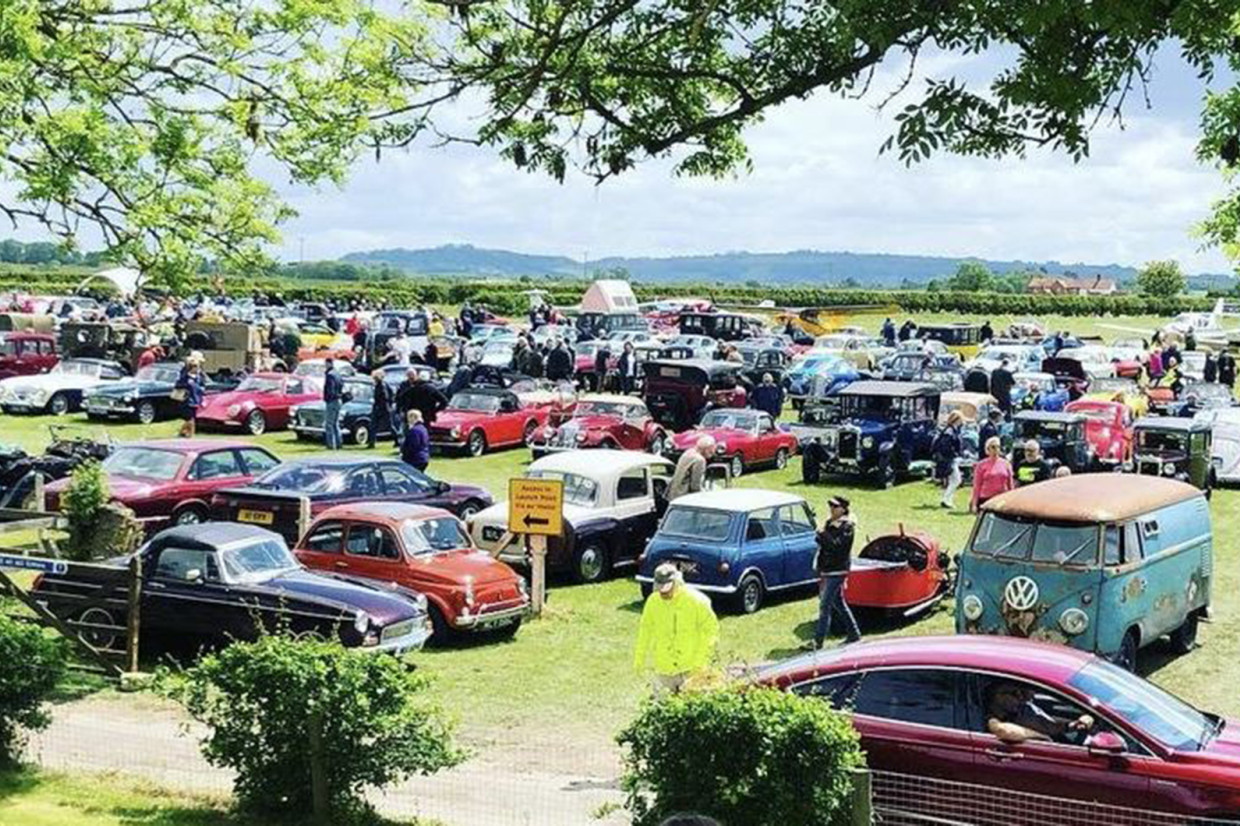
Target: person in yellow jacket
(678,631)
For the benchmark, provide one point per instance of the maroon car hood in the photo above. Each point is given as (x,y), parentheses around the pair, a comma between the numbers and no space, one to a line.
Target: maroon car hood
(447,419)
(598,422)
(222,401)
(722,436)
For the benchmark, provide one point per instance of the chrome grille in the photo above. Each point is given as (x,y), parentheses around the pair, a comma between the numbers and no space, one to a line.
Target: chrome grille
(310,417)
(850,443)
(397,630)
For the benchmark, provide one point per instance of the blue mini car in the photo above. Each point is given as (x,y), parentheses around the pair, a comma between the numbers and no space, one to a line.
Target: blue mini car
(1039,391)
(816,376)
(738,543)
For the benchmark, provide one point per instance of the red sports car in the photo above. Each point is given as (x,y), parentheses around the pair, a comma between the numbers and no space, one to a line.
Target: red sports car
(743,438)
(480,419)
(171,481)
(1108,429)
(260,403)
(1009,732)
(606,421)
(426,550)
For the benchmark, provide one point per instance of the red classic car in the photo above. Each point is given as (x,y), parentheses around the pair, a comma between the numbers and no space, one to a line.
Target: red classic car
(585,354)
(743,439)
(171,481)
(480,419)
(25,354)
(426,550)
(606,421)
(260,403)
(899,572)
(1108,429)
(941,721)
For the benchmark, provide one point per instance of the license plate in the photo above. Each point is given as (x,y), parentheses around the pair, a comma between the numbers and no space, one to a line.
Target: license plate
(256,517)
(492,534)
(686,566)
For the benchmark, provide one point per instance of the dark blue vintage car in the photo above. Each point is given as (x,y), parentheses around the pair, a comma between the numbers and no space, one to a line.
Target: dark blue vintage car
(882,429)
(221,582)
(145,398)
(740,544)
(356,421)
(817,375)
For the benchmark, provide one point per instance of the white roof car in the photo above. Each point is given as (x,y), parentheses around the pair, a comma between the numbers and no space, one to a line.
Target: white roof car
(738,499)
(1226,450)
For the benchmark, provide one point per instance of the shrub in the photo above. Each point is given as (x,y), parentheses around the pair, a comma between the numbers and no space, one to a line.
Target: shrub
(97,528)
(752,756)
(31,665)
(258,700)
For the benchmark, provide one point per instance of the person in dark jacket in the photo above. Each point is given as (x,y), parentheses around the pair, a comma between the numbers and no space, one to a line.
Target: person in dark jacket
(889,333)
(420,395)
(461,379)
(380,407)
(1001,382)
(1030,465)
(1227,369)
(333,397)
(1209,373)
(906,331)
(946,452)
(768,397)
(987,332)
(835,543)
(990,428)
(559,362)
(626,367)
(601,358)
(191,387)
(416,448)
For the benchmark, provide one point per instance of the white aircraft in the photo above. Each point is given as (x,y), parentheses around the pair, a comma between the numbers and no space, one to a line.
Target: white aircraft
(1207,327)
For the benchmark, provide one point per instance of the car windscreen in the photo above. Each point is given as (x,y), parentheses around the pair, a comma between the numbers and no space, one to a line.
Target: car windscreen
(1097,414)
(426,536)
(167,375)
(305,478)
(1060,544)
(260,384)
(697,523)
(8,348)
(578,490)
(77,368)
(729,420)
(477,402)
(257,562)
(602,409)
(1162,716)
(1161,440)
(360,391)
(144,463)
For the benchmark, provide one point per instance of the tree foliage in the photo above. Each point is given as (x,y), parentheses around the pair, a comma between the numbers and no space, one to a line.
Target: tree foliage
(31,665)
(145,120)
(1161,278)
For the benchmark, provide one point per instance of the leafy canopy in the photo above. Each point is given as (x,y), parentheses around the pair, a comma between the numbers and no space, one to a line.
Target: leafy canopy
(1161,278)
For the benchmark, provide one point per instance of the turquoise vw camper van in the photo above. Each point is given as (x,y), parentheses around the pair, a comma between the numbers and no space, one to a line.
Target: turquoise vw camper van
(1103,562)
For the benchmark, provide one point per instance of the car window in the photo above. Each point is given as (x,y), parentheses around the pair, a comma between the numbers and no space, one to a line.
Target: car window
(761,525)
(294,387)
(398,481)
(697,523)
(839,689)
(110,373)
(327,538)
(1033,706)
(924,696)
(362,482)
(46,348)
(257,462)
(795,520)
(632,485)
(1111,550)
(372,542)
(216,464)
(178,563)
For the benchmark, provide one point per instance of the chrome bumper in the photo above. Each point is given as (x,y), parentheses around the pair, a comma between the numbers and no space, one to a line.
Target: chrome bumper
(709,589)
(413,641)
(492,619)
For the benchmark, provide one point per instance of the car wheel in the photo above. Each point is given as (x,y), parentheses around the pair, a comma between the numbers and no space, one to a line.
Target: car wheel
(750,594)
(736,466)
(608,444)
(98,638)
(468,510)
(477,444)
(1126,657)
(189,515)
(59,404)
(1184,638)
(527,435)
(658,445)
(441,631)
(256,423)
(361,433)
(590,563)
(146,412)
(781,458)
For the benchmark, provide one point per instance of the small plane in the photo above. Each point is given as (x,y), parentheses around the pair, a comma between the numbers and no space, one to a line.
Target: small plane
(1207,327)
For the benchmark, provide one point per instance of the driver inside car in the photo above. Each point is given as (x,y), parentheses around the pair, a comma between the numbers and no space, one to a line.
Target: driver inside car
(1013,717)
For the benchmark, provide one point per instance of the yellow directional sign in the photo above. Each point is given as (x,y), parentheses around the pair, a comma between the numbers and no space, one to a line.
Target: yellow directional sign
(536,506)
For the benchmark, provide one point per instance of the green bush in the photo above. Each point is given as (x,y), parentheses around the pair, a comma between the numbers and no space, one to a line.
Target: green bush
(747,756)
(258,700)
(98,528)
(31,665)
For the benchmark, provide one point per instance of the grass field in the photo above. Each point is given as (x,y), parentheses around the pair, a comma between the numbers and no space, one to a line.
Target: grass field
(567,679)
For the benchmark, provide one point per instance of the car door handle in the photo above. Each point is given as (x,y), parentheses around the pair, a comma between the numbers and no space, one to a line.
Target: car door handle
(158,586)
(340,563)
(1004,755)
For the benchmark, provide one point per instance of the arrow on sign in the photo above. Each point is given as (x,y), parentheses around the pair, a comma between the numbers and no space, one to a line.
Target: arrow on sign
(535,520)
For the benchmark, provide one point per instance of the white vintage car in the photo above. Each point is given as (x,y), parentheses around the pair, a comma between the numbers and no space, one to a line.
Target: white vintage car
(1225,422)
(60,390)
(612,504)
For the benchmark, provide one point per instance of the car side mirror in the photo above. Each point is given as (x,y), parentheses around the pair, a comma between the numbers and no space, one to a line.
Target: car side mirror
(1105,743)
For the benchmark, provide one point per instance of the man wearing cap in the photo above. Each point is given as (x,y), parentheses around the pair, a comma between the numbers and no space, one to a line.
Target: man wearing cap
(835,542)
(678,631)
(690,473)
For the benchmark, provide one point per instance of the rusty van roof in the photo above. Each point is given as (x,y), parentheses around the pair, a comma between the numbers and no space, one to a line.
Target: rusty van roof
(1091,497)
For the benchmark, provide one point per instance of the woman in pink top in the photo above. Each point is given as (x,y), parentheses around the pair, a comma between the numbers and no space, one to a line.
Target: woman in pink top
(991,476)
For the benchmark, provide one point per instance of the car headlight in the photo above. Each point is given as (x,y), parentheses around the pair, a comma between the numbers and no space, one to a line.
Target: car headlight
(720,450)
(38,396)
(456,433)
(421,602)
(361,622)
(867,442)
(131,397)
(1168,469)
(972,608)
(295,411)
(1074,621)
(469,591)
(233,410)
(522,587)
(581,437)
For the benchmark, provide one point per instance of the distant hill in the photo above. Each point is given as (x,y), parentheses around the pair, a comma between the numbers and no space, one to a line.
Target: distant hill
(798,267)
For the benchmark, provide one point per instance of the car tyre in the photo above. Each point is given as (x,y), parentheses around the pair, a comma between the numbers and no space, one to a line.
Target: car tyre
(58,405)
(1126,657)
(750,594)
(658,445)
(98,639)
(361,433)
(256,423)
(477,443)
(527,435)
(146,412)
(468,510)
(591,563)
(189,515)
(736,466)
(441,631)
(1184,638)
(781,458)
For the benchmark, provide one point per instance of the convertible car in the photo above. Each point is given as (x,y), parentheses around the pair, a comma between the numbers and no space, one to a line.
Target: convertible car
(481,419)
(900,572)
(743,438)
(145,398)
(260,403)
(61,389)
(614,422)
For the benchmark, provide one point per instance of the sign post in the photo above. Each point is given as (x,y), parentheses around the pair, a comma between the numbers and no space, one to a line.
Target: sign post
(535,512)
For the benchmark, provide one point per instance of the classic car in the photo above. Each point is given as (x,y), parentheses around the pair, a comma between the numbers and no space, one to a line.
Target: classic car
(60,390)
(274,499)
(261,402)
(145,398)
(915,366)
(1128,359)
(975,408)
(1224,423)
(27,354)
(1021,358)
(817,376)
(679,392)
(1038,391)
(719,326)
(1070,374)
(1108,431)
(857,350)
(1206,396)
(1061,436)
(222,582)
(318,368)
(481,419)
(744,439)
(1139,547)
(426,550)
(604,421)
(961,337)
(388,324)
(703,347)
(738,544)
(595,325)
(612,505)
(306,419)
(884,428)
(618,338)
(763,359)
(1099,363)
(1193,365)
(899,573)
(497,352)
(1175,448)
(922,708)
(172,480)
(1119,389)
(815,420)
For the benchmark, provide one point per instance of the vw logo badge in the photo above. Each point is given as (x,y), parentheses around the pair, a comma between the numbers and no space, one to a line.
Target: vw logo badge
(1021,593)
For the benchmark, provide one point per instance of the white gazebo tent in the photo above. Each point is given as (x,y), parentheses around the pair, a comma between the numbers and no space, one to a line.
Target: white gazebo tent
(125,279)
